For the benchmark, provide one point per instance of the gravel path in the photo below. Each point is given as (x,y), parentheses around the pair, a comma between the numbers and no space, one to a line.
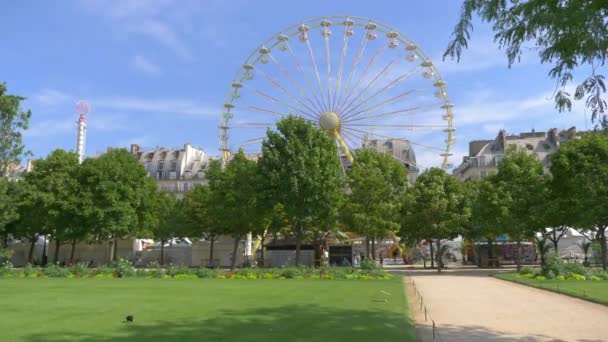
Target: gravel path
(470,305)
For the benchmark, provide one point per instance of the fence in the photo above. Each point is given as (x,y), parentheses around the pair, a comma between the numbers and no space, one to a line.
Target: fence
(422,308)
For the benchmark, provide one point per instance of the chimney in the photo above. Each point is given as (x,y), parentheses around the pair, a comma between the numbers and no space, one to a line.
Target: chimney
(134,149)
(502,139)
(552,136)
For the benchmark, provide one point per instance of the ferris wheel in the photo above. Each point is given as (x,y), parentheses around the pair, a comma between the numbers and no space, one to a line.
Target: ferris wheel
(364,82)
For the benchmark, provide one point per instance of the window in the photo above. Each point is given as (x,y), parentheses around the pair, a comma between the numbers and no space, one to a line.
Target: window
(148,165)
(172,175)
(173,165)
(159,175)
(161,164)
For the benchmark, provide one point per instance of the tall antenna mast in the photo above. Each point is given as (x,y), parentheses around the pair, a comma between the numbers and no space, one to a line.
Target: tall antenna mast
(82,109)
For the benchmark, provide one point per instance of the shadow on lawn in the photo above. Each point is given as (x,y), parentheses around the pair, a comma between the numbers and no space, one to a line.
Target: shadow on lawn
(282,323)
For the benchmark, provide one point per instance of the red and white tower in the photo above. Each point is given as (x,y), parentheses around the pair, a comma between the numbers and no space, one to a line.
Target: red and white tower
(82,109)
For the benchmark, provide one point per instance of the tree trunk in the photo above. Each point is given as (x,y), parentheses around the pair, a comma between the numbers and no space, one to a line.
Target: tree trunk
(56,254)
(235,247)
(367,248)
(30,254)
(262,249)
(162,252)
(439,257)
(374,248)
(298,244)
(115,247)
(5,240)
(211,264)
(432,253)
(602,240)
(555,242)
(72,251)
(490,250)
(44,258)
(518,254)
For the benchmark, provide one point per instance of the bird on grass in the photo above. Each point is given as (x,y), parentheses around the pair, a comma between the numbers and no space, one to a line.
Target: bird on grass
(129,319)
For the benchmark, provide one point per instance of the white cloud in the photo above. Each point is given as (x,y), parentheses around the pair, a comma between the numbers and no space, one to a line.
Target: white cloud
(52,97)
(165,35)
(51,127)
(166,106)
(142,64)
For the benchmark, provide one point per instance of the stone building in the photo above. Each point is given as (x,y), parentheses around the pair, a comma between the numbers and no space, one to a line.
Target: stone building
(484,155)
(175,170)
(401,150)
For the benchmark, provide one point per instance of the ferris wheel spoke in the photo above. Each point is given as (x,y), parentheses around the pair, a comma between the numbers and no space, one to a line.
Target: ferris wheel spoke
(390,85)
(294,83)
(383,136)
(356,62)
(287,93)
(352,136)
(416,127)
(351,91)
(328,73)
(309,85)
(360,94)
(341,65)
(406,111)
(314,64)
(383,103)
(277,101)
(264,110)
(251,141)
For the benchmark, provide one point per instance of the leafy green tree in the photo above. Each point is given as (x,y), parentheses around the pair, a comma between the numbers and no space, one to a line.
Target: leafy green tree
(521,187)
(554,213)
(8,207)
(485,207)
(570,35)
(235,193)
(542,247)
(435,209)
(300,169)
(13,121)
(116,186)
(168,219)
(199,210)
(376,183)
(580,171)
(52,198)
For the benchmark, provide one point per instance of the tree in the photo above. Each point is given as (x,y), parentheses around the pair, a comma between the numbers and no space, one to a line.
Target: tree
(580,171)
(434,209)
(168,220)
(117,187)
(300,169)
(554,213)
(8,207)
(570,35)
(13,120)
(376,183)
(542,247)
(234,191)
(521,186)
(199,210)
(486,209)
(52,198)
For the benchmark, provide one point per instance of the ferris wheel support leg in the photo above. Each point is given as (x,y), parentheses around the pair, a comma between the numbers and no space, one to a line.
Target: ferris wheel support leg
(349,156)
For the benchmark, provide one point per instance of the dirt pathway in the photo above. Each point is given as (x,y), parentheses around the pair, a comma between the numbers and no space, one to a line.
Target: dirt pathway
(470,305)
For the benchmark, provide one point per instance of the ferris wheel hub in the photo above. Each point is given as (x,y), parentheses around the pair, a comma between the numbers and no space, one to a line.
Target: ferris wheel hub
(329,121)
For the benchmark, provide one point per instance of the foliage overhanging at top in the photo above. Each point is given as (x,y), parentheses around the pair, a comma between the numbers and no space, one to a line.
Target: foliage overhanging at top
(567,34)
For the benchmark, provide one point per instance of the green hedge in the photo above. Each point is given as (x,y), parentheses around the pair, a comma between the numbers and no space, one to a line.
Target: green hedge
(124,269)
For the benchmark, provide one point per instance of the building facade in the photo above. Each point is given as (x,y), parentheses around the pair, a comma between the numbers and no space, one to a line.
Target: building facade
(484,155)
(175,170)
(399,149)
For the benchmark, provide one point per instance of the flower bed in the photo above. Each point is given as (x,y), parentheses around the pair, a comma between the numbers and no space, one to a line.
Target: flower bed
(124,269)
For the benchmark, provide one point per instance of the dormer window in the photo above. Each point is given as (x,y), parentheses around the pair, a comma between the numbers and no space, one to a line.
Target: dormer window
(173,165)
(161,164)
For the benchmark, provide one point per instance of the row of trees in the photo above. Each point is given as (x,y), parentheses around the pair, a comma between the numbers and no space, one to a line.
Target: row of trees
(520,200)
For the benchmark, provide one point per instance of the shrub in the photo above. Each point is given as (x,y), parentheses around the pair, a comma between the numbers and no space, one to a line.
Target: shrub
(156,272)
(56,271)
(574,268)
(553,263)
(104,269)
(526,270)
(550,275)
(594,278)
(185,276)
(560,277)
(124,268)
(154,265)
(6,268)
(267,275)
(540,277)
(369,264)
(204,273)
(80,269)
(28,270)
(577,276)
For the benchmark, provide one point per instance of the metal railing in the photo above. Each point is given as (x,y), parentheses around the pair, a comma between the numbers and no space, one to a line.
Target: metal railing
(427,316)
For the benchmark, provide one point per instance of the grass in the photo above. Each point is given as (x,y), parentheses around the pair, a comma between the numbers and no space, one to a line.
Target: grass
(93,310)
(594,291)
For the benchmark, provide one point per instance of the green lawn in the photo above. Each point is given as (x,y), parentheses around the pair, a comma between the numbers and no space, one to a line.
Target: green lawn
(93,310)
(596,291)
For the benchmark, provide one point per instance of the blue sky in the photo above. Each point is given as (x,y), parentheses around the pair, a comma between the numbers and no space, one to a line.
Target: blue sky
(156,71)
